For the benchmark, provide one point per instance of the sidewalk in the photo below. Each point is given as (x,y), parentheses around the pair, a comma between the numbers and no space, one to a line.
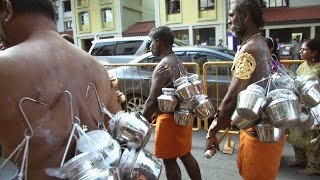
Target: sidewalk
(224,166)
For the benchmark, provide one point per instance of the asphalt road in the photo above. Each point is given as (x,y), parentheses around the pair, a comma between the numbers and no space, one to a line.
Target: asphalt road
(223,166)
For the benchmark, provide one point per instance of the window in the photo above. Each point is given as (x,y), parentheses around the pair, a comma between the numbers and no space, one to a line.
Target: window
(128,47)
(107,15)
(173,6)
(116,48)
(206,5)
(68,25)
(66,6)
(84,18)
(277,3)
(104,49)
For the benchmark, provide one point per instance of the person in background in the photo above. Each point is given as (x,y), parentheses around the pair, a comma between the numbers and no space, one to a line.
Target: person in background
(68,38)
(198,43)
(172,141)
(275,59)
(204,43)
(256,160)
(39,70)
(200,59)
(295,48)
(307,154)
(279,45)
(220,43)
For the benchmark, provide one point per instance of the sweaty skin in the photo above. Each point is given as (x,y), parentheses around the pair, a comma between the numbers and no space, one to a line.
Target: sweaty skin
(42,67)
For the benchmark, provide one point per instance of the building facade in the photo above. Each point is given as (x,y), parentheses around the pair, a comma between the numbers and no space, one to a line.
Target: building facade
(206,20)
(288,19)
(64,15)
(98,19)
(193,20)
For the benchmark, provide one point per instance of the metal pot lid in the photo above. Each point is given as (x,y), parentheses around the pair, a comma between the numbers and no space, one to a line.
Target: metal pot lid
(168,91)
(193,77)
(282,93)
(180,81)
(256,88)
(93,140)
(9,170)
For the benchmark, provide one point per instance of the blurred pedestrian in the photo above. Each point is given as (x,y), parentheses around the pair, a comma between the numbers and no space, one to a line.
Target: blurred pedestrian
(37,69)
(256,160)
(279,45)
(220,43)
(307,154)
(295,48)
(172,141)
(275,59)
(198,43)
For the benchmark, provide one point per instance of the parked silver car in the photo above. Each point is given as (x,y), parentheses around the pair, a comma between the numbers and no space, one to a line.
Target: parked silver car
(135,82)
(122,50)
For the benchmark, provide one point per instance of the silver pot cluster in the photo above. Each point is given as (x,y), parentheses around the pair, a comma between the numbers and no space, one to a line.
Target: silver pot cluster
(284,108)
(100,155)
(186,100)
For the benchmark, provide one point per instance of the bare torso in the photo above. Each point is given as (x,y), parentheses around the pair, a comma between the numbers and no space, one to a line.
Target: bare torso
(43,71)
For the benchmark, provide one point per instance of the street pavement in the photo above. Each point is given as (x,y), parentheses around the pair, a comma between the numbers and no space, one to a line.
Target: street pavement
(224,166)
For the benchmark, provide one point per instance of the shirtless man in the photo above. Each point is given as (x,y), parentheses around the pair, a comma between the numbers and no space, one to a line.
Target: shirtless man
(256,160)
(38,63)
(172,141)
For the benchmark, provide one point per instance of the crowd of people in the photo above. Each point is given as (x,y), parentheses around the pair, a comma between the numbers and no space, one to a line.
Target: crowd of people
(37,65)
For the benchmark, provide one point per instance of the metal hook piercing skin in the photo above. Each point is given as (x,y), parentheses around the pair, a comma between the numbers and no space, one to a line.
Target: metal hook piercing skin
(102,107)
(24,115)
(71,109)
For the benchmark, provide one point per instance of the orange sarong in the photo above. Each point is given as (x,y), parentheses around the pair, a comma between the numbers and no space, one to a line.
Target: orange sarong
(257,160)
(171,140)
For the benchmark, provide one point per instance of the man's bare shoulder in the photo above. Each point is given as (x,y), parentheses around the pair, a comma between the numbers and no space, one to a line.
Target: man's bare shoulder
(257,49)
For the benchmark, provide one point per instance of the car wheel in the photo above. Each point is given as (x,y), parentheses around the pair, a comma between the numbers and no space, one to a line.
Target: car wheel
(135,103)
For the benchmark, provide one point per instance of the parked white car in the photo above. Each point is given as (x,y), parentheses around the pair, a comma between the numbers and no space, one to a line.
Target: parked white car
(122,50)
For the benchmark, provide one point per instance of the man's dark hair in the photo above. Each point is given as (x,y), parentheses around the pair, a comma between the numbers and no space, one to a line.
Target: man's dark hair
(162,33)
(314,45)
(255,9)
(44,7)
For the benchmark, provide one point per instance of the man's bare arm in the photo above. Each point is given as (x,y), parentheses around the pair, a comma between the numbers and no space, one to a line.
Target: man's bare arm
(158,82)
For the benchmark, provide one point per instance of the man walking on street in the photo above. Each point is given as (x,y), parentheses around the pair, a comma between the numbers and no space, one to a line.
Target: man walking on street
(172,141)
(256,160)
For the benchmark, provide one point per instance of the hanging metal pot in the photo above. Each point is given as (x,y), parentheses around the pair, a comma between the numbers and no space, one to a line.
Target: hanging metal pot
(167,101)
(133,130)
(9,169)
(203,107)
(242,123)
(197,84)
(184,89)
(183,116)
(141,164)
(315,112)
(310,93)
(268,133)
(283,113)
(250,104)
(306,120)
(78,167)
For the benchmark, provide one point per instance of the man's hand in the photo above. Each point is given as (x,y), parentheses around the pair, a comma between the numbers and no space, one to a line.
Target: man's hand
(212,144)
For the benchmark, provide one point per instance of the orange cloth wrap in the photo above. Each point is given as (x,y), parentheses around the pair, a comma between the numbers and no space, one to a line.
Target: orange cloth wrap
(257,160)
(171,140)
